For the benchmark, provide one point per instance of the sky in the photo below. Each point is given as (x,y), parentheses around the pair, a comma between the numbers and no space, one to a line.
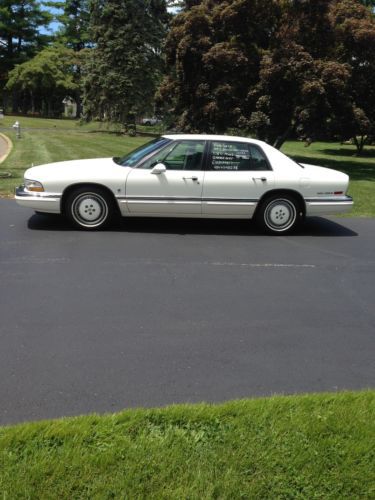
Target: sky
(54,26)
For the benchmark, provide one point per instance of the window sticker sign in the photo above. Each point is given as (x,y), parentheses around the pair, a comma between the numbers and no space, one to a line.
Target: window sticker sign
(229,156)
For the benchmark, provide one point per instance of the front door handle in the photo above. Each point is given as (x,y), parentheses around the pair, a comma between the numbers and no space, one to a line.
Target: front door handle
(194,178)
(263,179)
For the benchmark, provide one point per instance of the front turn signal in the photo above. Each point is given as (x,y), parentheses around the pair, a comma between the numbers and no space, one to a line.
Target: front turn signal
(34,186)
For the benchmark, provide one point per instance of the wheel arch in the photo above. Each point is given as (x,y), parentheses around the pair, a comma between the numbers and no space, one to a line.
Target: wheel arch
(282,192)
(72,187)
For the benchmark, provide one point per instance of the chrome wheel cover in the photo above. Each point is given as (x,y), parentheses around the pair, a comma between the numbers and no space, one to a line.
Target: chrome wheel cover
(280,215)
(89,210)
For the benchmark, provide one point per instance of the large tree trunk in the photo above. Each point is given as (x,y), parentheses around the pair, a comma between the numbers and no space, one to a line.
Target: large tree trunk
(78,101)
(32,101)
(14,102)
(49,108)
(279,141)
(10,46)
(360,143)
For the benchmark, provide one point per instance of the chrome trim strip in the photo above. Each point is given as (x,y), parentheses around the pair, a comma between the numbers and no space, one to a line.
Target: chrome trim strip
(158,198)
(161,201)
(338,199)
(230,200)
(142,199)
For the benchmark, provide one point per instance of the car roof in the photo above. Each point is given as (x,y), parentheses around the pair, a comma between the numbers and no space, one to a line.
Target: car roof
(213,137)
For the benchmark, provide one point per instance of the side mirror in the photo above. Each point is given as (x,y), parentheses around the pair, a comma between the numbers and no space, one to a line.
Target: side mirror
(159,169)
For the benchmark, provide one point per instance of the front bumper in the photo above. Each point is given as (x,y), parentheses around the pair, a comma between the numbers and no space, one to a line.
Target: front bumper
(326,206)
(42,202)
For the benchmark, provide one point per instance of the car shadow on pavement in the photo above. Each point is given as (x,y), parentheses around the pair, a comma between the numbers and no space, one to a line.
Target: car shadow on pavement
(313,226)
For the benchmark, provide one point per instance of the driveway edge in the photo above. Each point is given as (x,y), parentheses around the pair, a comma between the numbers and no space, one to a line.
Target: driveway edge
(9,145)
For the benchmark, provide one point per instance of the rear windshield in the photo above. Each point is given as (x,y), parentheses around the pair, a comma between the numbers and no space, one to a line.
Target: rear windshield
(138,154)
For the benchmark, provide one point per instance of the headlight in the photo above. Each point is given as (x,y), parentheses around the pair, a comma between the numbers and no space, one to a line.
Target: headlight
(33,186)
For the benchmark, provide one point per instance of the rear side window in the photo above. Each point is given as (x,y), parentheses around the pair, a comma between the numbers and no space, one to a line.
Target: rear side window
(236,156)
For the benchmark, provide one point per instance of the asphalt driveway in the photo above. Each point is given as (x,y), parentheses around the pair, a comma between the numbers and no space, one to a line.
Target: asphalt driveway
(169,311)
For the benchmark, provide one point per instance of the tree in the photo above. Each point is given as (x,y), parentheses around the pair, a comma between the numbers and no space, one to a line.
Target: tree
(328,90)
(75,20)
(42,82)
(74,33)
(354,27)
(125,65)
(213,51)
(301,89)
(20,37)
(272,68)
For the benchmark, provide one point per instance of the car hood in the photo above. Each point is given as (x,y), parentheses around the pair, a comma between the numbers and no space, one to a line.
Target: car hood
(70,168)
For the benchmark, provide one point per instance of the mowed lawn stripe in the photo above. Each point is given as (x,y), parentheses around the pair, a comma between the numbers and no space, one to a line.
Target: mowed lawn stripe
(38,147)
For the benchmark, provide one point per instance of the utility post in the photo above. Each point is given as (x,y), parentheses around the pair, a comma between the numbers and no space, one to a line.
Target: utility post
(17,128)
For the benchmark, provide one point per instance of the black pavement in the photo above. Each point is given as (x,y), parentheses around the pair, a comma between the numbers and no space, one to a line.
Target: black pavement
(168,311)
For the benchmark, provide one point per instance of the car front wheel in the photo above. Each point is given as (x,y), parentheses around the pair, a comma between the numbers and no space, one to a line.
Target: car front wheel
(279,214)
(89,208)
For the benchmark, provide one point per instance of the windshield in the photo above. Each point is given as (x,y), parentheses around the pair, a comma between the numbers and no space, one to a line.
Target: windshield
(138,154)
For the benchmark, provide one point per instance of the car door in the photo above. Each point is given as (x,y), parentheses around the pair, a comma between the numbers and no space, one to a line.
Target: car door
(170,183)
(237,175)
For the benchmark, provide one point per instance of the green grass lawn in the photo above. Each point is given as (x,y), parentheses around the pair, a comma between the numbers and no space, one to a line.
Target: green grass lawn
(46,140)
(312,446)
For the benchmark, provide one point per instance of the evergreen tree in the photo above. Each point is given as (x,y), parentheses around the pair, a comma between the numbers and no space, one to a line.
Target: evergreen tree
(74,33)
(125,65)
(75,19)
(20,37)
(369,3)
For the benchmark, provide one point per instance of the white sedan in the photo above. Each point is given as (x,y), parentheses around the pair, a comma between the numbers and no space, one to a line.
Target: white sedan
(204,176)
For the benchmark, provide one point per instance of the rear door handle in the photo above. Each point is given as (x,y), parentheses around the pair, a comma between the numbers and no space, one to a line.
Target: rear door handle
(263,179)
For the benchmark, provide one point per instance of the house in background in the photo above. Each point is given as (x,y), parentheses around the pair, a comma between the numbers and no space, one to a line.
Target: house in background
(70,107)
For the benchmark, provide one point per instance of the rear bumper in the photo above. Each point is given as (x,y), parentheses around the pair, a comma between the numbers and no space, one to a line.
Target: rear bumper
(42,202)
(325,206)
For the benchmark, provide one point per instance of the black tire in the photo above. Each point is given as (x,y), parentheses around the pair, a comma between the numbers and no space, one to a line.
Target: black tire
(90,208)
(279,214)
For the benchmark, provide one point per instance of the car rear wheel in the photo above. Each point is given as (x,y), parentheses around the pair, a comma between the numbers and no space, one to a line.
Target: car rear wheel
(89,208)
(279,214)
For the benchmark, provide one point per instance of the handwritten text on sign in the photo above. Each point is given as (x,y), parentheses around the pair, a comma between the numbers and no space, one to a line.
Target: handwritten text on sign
(228,156)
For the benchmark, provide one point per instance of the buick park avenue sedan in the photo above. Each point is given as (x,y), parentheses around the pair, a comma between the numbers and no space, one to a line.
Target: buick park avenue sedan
(203,176)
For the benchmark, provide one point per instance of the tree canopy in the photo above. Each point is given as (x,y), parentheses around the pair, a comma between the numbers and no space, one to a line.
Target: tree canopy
(45,80)
(125,64)
(75,20)
(20,33)
(272,68)
(20,36)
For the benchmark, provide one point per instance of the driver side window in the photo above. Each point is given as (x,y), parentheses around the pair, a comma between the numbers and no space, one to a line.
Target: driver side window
(184,155)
